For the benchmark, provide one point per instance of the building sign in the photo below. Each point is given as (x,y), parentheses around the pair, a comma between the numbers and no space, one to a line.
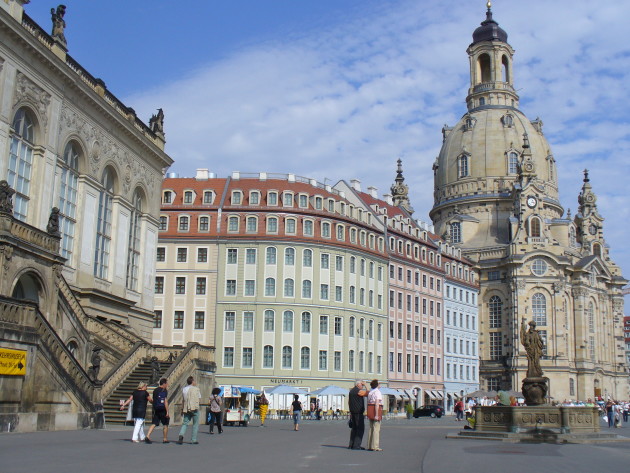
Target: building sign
(12,362)
(286,381)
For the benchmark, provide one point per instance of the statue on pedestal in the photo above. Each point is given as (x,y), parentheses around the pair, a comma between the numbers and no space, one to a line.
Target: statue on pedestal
(59,24)
(6,197)
(534,386)
(96,364)
(53,223)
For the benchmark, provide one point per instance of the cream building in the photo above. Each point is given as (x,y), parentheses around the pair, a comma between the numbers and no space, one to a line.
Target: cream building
(496,197)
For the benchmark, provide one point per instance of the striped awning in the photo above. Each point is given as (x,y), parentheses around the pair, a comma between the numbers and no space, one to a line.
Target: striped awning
(410,394)
(431,394)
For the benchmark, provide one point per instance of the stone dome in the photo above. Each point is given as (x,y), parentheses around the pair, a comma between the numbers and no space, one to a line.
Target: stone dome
(487,136)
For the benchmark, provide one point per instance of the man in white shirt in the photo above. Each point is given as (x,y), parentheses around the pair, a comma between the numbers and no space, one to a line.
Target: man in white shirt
(375,415)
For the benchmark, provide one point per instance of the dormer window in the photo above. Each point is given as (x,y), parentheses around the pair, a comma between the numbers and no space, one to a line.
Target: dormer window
(507,120)
(208,197)
(303,202)
(237,197)
(469,123)
(272,198)
(319,202)
(331,205)
(287,199)
(456,232)
(254,198)
(188,197)
(167,197)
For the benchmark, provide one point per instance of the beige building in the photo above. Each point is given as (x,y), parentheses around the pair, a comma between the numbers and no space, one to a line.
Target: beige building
(496,197)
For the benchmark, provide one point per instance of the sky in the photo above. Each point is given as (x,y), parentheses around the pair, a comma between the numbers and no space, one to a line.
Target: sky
(340,89)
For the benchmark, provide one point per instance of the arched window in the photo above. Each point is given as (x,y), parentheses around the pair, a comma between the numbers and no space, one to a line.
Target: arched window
(272,225)
(287,357)
(269,320)
(289,256)
(308,227)
(351,360)
(268,356)
(289,287)
(307,258)
(534,227)
(505,69)
(597,249)
(572,239)
(307,288)
(590,317)
(271,255)
(233,224)
(68,198)
(290,226)
(252,224)
(104,225)
(287,321)
(270,287)
(325,229)
(133,251)
(512,163)
(539,309)
(456,232)
(305,358)
(351,327)
(462,166)
(21,162)
(495,309)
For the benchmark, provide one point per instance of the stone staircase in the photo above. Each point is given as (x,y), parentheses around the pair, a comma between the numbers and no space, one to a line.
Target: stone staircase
(113,414)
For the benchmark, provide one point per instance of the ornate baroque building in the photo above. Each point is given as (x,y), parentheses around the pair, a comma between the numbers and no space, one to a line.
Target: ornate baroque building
(496,198)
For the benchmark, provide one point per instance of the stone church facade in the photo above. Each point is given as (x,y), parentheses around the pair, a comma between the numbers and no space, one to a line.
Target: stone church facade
(496,197)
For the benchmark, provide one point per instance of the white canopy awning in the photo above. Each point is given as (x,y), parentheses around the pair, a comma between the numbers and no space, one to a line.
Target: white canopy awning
(410,394)
(437,395)
(430,393)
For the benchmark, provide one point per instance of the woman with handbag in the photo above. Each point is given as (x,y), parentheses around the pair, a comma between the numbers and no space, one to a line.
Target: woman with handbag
(375,415)
(140,398)
(216,408)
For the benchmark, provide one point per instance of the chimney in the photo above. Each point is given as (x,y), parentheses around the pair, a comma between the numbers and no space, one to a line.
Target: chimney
(202,174)
(373,191)
(356,184)
(388,199)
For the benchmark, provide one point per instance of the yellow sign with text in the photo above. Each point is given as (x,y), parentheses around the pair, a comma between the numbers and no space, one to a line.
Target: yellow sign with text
(12,362)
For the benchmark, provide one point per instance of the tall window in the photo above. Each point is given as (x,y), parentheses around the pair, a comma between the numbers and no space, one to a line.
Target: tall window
(307,259)
(269,320)
(534,227)
(512,163)
(495,308)
(270,287)
(456,232)
(287,321)
(323,359)
(289,287)
(463,166)
(133,251)
(268,356)
(68,198)
(496,350)
(307,289)
(287,357)
(289,256)
(104,225)
(306,322)
(539,308)
(21,162)
(305,358)
(590,317)
(247,360)
(271,255)
(272,225)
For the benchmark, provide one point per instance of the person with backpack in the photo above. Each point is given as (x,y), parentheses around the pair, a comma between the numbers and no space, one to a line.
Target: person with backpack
(160,410)
(216,407)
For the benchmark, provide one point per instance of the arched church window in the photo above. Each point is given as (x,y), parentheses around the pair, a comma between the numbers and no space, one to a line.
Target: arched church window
(512,162)
(482,101)
(462,163)
(539,308)
(133,251)
(68,192)
(456,232)
(495,309)
(534,227)
(597,249)
(572,239)
(21,162)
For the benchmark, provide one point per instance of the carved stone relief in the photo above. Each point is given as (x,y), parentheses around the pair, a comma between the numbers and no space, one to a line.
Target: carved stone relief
(26,91)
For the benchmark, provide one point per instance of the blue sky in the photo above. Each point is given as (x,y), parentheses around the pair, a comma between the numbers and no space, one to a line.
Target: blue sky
(341,89)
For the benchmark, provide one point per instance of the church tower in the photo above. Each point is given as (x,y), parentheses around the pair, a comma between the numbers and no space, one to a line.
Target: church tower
(496,197)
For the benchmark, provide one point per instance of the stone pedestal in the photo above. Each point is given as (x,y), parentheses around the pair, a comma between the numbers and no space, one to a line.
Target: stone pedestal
(535,391)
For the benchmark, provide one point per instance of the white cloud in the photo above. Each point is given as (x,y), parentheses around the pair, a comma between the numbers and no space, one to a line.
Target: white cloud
(347,101)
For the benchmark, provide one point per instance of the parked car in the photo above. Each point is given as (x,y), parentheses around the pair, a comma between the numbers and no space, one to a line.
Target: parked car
(430,411)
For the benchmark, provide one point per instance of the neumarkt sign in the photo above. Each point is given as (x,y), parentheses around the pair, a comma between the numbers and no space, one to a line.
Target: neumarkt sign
(12,362)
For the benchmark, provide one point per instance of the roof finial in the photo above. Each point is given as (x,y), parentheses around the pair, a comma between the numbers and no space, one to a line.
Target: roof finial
(489,5)
(586,179)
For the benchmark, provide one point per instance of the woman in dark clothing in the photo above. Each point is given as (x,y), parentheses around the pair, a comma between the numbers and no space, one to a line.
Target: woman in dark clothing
(296,407)
(216,407)
(140,398)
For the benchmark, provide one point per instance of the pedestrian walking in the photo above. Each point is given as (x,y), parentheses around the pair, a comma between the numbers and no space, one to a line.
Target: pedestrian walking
(160,410)
(610,413)
(375,415)
(459,410)
(140,398)
(356,406)
(296,407)
(216,408)
(626,408)
(190,411)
